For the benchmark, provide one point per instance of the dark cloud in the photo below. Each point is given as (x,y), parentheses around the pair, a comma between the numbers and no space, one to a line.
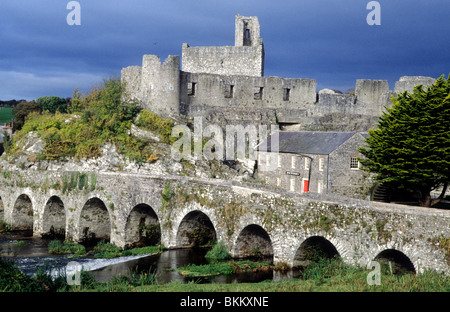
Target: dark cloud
(326,40)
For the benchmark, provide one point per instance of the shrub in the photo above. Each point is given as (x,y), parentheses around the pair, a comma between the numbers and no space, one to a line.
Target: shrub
(218,253)
(66,247)
(97,118)
(163,127)
(107,250)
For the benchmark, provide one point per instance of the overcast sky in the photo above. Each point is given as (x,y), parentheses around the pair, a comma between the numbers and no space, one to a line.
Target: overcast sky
(326,40)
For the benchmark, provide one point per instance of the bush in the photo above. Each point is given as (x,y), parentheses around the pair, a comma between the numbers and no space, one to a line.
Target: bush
(97,118)
(152,122)
(61,248)
(107,250)
(218,253)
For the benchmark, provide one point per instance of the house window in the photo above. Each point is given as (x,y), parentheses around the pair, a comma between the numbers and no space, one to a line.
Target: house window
(258,93)
(229,91)
(286,94)
(307,161)
(293,162)
(321,164)
(292,188)
(191,86)
(354,163)
(320,187)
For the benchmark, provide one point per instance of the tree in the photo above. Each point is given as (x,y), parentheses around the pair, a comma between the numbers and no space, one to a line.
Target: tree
(53,104)
(410,148)
(21,111)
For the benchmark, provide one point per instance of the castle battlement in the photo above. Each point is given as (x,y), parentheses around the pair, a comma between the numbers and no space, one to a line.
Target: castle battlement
(231,79)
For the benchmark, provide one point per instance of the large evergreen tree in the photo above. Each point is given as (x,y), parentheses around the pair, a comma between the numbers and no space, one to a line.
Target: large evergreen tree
(410,148)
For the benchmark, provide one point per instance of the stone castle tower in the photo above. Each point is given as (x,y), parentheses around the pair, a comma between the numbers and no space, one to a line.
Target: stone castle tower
(245,58)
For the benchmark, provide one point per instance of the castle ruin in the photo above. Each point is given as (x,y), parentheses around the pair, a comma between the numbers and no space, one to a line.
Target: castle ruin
(226,85)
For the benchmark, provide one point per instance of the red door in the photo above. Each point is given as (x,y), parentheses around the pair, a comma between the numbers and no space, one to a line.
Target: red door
(305,186)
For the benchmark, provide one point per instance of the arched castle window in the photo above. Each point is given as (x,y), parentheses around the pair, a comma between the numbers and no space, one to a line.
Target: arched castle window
(247,39)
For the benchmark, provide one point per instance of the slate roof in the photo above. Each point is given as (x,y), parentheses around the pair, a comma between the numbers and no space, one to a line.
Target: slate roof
(308,142)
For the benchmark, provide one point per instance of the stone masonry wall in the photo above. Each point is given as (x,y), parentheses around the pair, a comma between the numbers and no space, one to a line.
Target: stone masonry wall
(228,60)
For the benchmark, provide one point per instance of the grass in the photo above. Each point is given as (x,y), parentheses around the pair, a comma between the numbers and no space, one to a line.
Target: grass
(57,247)
(324,276)
(102,250)
(107,250)
(223,268)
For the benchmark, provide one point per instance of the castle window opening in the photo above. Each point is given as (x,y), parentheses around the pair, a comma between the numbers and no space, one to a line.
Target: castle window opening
(229,92)
(286,93)
(247,39)
(258,93)
(191,86)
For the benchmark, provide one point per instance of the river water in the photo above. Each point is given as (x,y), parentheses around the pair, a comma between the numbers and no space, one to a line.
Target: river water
(31,253)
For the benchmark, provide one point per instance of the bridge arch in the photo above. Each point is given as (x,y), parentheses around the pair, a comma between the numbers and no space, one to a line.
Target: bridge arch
(23,213)
(54,219)
(95,222)
(253,241)
(395,261)
(195,229)
(314,248)
(142,227)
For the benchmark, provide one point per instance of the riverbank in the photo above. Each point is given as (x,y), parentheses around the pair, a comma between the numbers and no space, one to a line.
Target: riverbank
(320,277)
(325,276)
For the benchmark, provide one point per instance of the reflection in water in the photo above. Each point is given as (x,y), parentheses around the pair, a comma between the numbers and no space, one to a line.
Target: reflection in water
(165,266)
(32,253)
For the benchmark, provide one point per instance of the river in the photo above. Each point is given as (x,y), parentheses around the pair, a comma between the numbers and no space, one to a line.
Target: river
(31,253)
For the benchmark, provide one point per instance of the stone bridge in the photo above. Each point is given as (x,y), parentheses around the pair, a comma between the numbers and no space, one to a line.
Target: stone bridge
(251,219)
